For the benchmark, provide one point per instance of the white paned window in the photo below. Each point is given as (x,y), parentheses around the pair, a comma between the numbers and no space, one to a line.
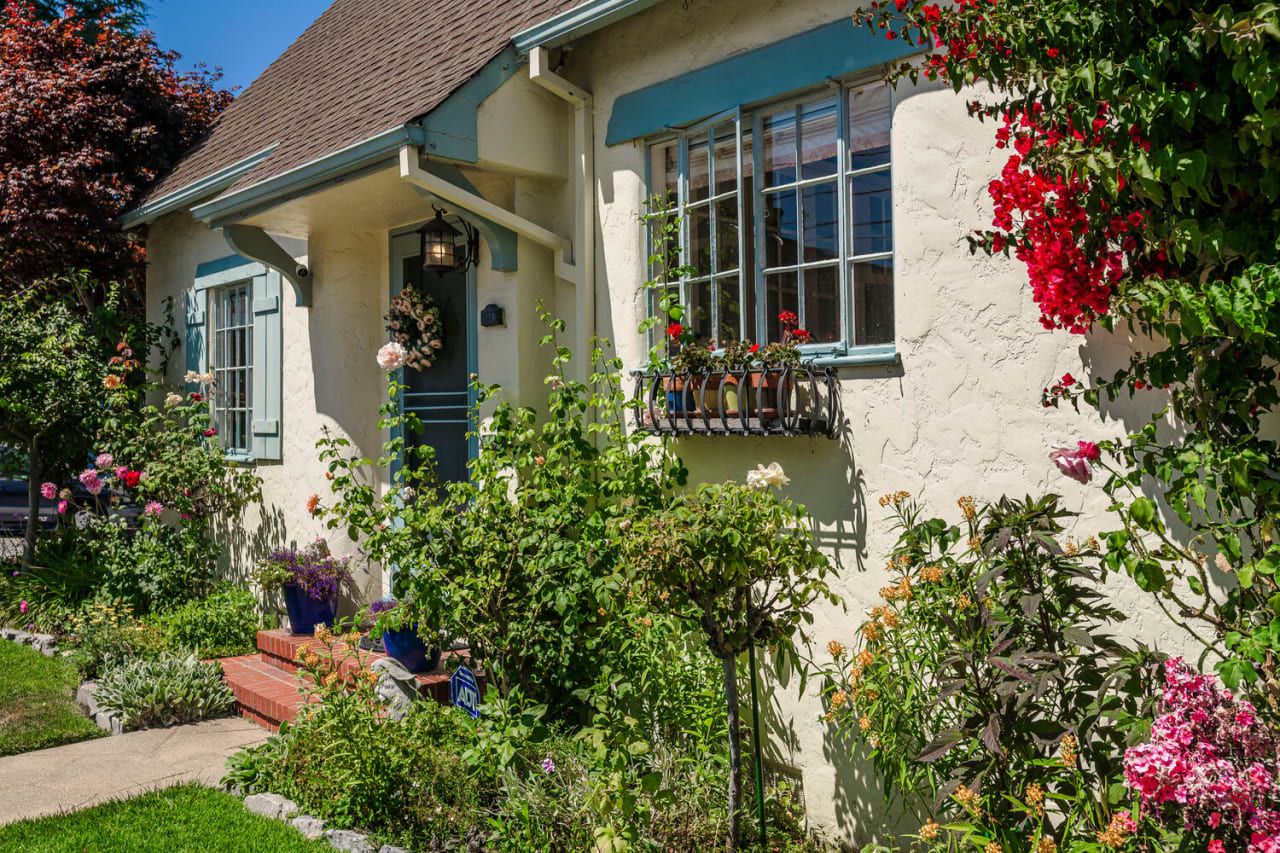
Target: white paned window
(784,207)
(231,353)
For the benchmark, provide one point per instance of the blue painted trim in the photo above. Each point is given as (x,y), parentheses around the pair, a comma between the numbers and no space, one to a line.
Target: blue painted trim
(860,357)
(450,130)
(503,243)
(834,50)
(188,195)
(576,22)
(226,270)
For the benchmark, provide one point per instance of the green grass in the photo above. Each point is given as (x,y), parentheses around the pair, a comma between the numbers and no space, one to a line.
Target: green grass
(37,702)
(187,819)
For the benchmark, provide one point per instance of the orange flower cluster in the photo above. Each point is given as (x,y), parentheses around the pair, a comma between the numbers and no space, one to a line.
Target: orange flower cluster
(901,591)
(931,574)
(967,507)
(865,658)
(1067,750)
(968,798)
(929,831)
(1047,845)
(1035,799)
(836,648)
(963,602)
(895,498)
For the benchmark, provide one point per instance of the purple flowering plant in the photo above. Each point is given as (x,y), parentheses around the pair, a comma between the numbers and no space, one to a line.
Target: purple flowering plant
(313,569)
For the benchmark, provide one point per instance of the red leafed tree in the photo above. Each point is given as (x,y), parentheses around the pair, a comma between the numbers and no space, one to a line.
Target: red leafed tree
(90,115)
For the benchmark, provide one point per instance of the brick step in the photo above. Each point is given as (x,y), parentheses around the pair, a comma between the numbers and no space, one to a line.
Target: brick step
(266,685)
(264,694)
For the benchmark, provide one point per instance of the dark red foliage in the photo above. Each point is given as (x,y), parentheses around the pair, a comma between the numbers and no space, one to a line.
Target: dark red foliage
(87,123)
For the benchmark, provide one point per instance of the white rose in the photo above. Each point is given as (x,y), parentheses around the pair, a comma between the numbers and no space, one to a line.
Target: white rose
(762,477)
(207,378)
(392,356)
(191,376)
(407,494)
(172,399)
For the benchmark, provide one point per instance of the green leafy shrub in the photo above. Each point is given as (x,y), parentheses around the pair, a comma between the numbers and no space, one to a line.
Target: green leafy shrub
(156,567)
(986,689)
(519,559)
(104,634)
(223,625)
(172,688)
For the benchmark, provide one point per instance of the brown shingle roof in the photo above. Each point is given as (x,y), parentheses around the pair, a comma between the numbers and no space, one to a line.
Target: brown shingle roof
(363,67)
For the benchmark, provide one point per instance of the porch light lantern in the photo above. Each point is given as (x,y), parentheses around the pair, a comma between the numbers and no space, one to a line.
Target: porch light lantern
(441,250)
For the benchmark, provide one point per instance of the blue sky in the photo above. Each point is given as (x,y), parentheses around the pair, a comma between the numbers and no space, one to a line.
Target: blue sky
(242,36)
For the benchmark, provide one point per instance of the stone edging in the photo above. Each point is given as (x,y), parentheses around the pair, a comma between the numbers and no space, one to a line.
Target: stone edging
(277,807)
(46,645)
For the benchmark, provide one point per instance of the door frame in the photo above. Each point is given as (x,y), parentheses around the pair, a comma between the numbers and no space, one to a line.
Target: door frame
(397,250)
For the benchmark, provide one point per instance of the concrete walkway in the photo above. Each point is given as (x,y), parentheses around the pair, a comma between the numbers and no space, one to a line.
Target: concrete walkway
(72,777)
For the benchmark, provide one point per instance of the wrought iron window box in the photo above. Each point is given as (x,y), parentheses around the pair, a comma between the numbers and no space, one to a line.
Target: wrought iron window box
(781,400)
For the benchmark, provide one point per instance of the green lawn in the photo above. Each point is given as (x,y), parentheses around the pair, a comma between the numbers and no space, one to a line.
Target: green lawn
(186,819)
(38,702)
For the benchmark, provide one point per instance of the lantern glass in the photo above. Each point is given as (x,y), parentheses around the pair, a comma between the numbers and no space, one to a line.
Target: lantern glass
(439,251)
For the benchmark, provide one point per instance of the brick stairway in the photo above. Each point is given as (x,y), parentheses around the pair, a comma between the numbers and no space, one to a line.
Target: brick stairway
(266,685)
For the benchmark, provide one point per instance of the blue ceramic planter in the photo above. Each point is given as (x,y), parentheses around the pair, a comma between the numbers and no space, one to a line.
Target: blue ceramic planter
(305,612)
(408,648)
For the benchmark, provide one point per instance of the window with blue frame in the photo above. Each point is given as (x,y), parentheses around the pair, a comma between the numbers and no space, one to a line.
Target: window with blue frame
(232,357)
(784,207)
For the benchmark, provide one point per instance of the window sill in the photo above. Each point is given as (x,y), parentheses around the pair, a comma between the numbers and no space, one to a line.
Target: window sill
(857,357)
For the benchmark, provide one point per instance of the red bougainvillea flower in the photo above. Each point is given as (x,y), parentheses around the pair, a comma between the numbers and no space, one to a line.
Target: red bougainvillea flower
(1074,462)
(209,433)
(801,335)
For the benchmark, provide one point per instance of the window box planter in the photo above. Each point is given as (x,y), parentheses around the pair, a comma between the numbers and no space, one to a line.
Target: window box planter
(781,400)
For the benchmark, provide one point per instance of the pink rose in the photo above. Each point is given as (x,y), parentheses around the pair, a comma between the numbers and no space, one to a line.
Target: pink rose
(1073,463)
(62,507)
(121,472)
(104,460)
(48,491)
(23,607)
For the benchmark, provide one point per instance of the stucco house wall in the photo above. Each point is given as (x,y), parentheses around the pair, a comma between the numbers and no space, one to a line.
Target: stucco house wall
(960,415)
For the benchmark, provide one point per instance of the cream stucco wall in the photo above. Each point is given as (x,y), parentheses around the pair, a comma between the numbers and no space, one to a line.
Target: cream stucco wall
(959,416)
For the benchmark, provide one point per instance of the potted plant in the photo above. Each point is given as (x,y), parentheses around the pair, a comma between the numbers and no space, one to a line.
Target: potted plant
(690,361)
(769,384)
(401,638)
(310,579)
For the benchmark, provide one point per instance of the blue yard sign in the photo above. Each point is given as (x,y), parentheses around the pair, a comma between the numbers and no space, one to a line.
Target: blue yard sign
(463,691)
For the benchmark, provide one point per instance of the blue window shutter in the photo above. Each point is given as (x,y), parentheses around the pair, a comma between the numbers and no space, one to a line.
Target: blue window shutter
(268,428)
(196,346)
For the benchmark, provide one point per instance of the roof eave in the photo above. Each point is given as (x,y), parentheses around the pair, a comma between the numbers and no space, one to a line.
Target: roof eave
(184,198)
(342,164)
(576,22)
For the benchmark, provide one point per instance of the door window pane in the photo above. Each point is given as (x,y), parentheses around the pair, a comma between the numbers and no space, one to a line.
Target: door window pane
(699,225)
(727,235)
(232,359)
(730,308)
(726,159)
(698,314)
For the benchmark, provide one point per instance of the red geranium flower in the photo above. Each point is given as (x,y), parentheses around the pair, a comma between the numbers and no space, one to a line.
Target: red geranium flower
(675,330)
(789,319)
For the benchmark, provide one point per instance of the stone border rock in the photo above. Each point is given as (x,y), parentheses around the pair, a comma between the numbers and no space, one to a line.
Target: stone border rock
(276,807)
(47,645)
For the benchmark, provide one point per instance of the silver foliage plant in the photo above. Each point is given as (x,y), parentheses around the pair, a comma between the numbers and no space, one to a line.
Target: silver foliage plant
(174,688)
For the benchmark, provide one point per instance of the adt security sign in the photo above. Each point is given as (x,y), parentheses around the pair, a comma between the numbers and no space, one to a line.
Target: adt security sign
(463,691)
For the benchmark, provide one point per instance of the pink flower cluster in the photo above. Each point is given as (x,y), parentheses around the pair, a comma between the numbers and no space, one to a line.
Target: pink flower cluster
(1074,462)
(1213,761)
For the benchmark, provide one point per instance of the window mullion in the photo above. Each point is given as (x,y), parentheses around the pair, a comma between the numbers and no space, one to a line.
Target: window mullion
(713,224)
(799,197)
(742,230)
(762,295)
(845,202)
(682,193)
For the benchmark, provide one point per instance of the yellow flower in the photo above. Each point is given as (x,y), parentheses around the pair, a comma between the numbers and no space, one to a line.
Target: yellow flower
(929,831)
(836,648)
(1072,548)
